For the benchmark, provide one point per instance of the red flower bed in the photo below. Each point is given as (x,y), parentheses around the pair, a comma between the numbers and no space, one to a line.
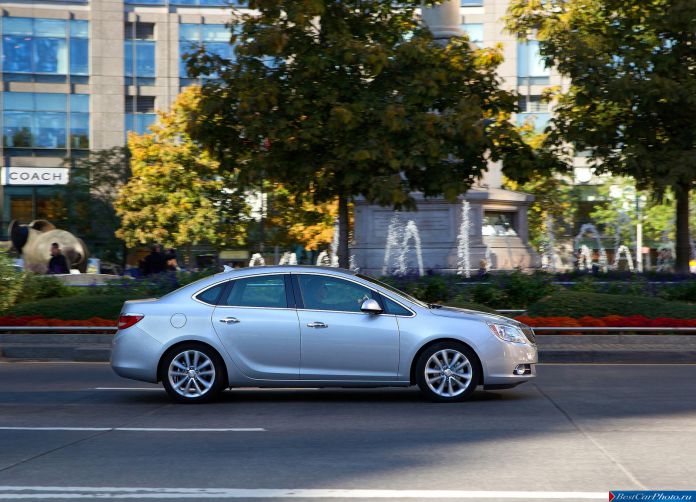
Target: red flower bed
(37,320)
(633,321)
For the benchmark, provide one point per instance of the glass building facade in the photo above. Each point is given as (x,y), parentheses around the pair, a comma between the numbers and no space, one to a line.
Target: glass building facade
(52,50)
(45,120)
(214,37)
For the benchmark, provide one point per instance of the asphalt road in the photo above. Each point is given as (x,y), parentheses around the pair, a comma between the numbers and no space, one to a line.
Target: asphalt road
(73,431)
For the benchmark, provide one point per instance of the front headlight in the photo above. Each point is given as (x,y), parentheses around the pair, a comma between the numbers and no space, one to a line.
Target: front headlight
(508,333)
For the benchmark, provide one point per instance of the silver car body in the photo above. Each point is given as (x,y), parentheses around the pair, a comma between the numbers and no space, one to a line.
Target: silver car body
(276,347)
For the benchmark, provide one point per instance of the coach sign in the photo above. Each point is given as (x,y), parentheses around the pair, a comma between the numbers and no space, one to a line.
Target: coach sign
(35,175)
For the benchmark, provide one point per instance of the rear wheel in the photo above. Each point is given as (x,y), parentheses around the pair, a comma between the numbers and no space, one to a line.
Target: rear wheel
(448,372)
(192,373)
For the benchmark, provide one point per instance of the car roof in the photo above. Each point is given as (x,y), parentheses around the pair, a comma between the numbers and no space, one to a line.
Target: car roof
(265,269)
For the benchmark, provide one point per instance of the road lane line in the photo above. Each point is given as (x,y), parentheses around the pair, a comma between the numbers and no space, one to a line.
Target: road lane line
(54,492)
(137,429)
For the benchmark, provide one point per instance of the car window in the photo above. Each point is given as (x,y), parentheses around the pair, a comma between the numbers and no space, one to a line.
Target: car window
(260,291)
(394,308)
(321,292)
(211,295)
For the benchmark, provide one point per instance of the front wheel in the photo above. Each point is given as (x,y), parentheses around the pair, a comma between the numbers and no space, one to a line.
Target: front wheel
(448,372)
(192,374)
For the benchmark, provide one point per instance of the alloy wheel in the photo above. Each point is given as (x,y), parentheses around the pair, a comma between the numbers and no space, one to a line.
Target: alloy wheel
(448,373)
(191,374)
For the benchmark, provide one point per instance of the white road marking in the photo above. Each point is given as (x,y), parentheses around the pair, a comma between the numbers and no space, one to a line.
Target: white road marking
(68,492)
(136,429)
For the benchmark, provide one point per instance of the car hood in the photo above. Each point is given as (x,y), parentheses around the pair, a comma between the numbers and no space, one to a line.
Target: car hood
(472,314)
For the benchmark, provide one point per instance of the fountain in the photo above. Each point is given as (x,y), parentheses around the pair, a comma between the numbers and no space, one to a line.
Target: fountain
(627,255)
(257,260)
(589,227)
(398,237)
(288,258)
(585,258)
(549,258)
(463,251)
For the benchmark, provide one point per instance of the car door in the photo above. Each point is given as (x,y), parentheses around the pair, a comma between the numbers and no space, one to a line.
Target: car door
(257,323)
(338,341)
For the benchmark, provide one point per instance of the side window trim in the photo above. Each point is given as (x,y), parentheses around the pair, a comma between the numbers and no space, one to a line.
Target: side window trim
(299,303)
(289,292)
(385,306)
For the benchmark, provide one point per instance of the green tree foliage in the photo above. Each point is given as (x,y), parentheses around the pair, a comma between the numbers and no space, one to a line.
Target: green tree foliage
(178,195)
(354,98)
(94,183)
(633,81)
(10,281)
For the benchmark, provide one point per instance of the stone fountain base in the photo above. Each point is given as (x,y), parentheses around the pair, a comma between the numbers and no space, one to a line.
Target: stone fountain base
(438,223)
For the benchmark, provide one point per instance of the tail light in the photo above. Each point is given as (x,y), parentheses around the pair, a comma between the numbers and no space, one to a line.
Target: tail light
(128,320)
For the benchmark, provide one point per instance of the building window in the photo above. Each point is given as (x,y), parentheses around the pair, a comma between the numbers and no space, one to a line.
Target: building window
(471,3)
(530,66)
(214,37)
(55,121)
(140,53)
(499,223)
(140,113)
(474,31)
(45,50)
(215,3)
(534,109)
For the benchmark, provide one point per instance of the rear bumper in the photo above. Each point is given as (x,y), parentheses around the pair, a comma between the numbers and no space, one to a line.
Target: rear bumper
(135,355)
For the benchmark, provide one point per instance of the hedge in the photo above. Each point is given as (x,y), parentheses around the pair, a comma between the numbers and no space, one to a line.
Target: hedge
(578,304)
(74,307)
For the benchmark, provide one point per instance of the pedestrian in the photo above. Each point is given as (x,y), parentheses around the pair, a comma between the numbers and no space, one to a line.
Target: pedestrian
(170,257)
(57,264)
(483,268)
(155,262)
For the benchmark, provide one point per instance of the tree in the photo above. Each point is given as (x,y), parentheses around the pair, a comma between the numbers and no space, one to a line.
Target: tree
(178,195)
(354,98)
(633,81)
(94,183)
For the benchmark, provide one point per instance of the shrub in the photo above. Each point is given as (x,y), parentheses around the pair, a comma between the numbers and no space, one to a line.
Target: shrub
(38,287)
(10,281)
(577,304)
(685,291)
(73,308)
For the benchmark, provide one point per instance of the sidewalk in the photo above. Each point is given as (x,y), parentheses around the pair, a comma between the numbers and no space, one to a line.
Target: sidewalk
(649,349)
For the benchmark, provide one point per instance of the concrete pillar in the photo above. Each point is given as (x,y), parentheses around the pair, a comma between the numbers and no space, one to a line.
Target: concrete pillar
(444,20)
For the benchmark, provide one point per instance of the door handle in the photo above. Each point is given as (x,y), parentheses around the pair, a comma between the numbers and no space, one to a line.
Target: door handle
(317,325)
(229,320)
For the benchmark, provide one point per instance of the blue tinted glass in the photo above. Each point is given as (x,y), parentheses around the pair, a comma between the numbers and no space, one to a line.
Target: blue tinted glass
(215,33)
(214,2)
(183,2)
(79,28)
(529,63)
(223,50)
(17,26)
(17,54)
(51,102)
(145,58)
(79,56)
(79,130)
(16,130)
(50,130)
(49,28)
(145,2)
(128,57)
(18,101)
(51,55)
(472,3)
(185,48)
(474,30)
(79,103)
(189,32)
(143,121)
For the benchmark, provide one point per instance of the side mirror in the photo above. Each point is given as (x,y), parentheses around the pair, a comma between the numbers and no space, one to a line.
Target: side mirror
(371,307)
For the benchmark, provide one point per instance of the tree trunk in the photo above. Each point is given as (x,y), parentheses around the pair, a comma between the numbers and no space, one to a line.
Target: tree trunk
(682,247)
(343,221)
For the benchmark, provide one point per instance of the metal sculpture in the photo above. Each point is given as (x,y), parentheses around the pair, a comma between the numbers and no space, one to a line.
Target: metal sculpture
(34,241)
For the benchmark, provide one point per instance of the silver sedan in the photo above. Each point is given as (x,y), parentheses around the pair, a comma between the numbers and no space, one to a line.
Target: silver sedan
(298,326)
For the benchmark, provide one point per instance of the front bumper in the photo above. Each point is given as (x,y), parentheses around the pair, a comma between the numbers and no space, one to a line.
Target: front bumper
(500,363)
(135,355)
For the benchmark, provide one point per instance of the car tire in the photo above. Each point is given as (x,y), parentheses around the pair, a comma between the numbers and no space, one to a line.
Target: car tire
(193,373)
(448,372)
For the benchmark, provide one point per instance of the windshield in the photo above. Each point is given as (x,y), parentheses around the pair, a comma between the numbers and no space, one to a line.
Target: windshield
(393,290)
